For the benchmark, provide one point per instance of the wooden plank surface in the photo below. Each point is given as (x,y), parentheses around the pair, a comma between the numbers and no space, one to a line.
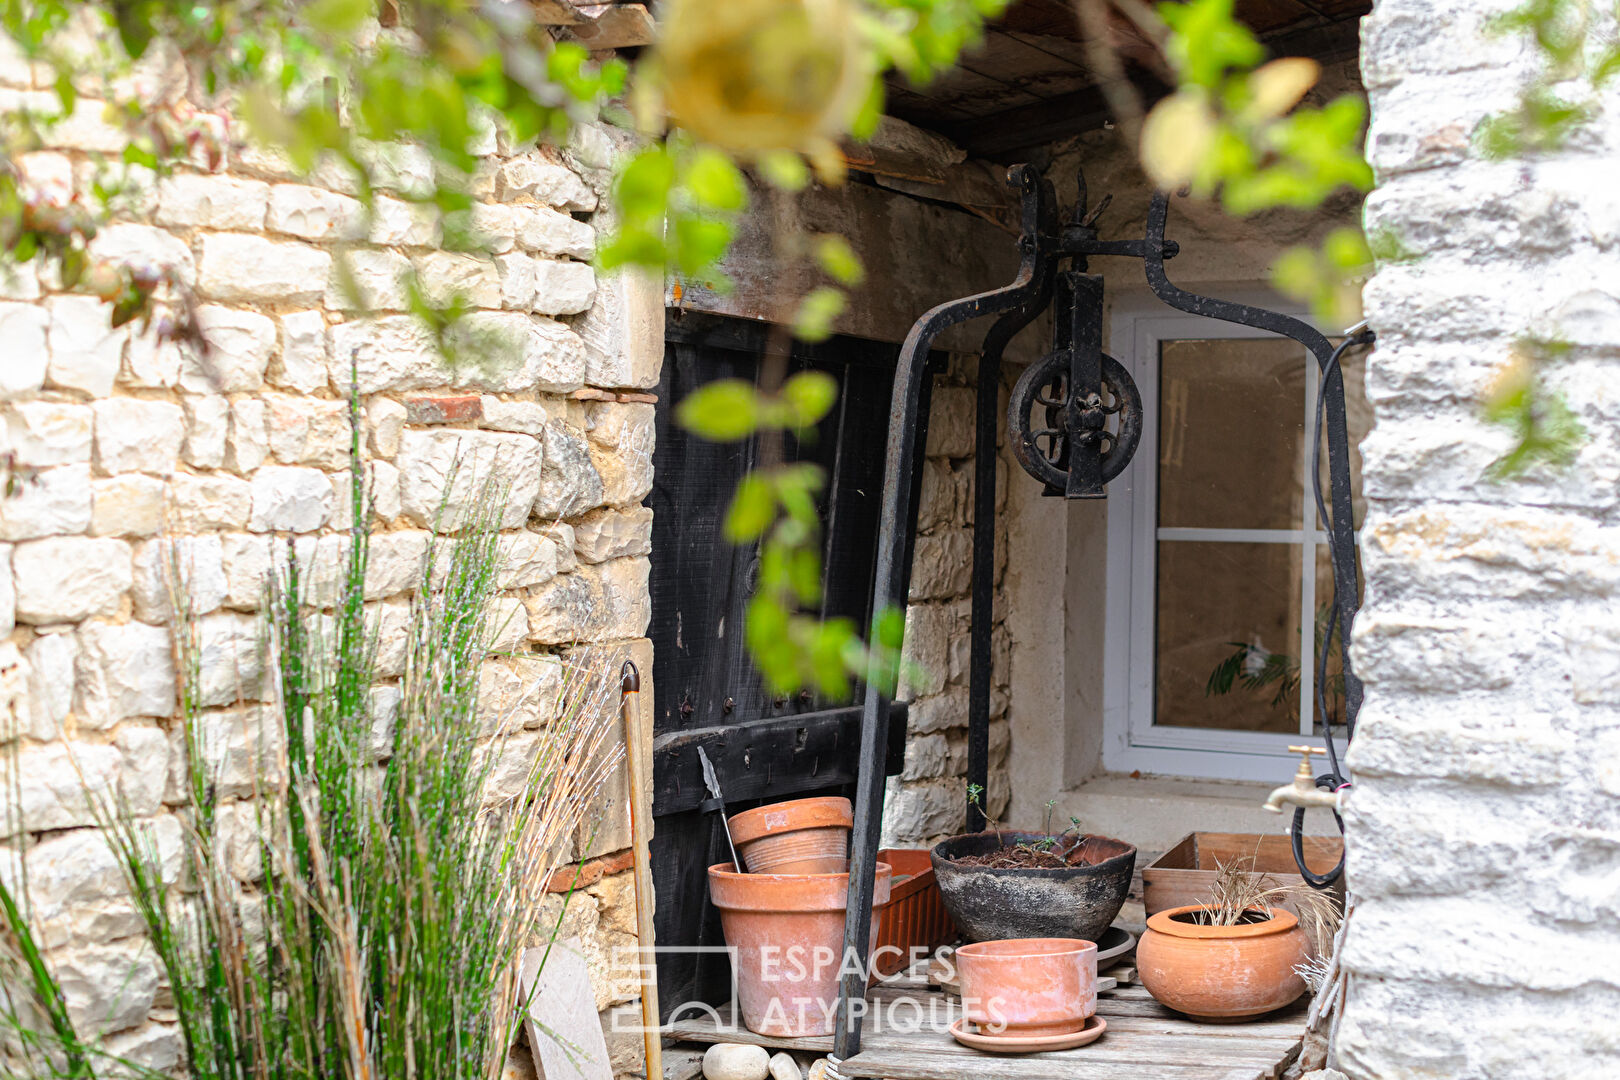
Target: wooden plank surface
(1144,1038)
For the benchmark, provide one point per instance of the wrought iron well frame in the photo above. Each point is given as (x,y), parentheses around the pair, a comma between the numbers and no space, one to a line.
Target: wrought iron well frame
(1045,244)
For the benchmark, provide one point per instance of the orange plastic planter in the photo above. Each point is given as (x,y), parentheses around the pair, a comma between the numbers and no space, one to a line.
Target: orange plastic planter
(1222,973)
(788,933)
(802,836)
(1028,987)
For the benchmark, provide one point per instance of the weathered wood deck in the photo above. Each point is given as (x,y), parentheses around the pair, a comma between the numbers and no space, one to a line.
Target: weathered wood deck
(1144,1039)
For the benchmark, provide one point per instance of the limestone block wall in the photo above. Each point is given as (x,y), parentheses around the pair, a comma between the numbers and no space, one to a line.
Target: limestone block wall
(114,446)
(1484,825)
(927,801)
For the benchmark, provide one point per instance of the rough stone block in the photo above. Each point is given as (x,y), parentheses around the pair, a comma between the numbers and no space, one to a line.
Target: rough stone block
(42,433)
(108,988)
(623,332)
(393,352)
(240,344)
(403,224)
(135,435)
(290,499)
(385,423)
(207,422)
(52,502)
(551,233)
(607,602)
(214,202)
(314,214)
(236,266)
(950,422)
(429,459)
(151,361)
(613,534)
(127,506)
(22,328)
(301,364)
(86,351)
(200,503)
(308,431)
(369,281)
(68,579)
(444,276)
(55,785)
(517,693)
(569,482)
(249,441)
(191,567)
(926,650)
(562,287)
(621,448)
(124,670)
(242,748)
(545,182)
(942,565)
(524,353)
(142,247)
(525,417)
(526,559)
(51,660)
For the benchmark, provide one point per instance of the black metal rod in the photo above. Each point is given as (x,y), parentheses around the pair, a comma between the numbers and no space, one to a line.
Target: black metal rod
(1338,436)
(890,583)
(987,406)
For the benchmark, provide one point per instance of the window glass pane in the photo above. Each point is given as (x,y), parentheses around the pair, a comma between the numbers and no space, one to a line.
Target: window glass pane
(1227,636)
(1358,417)
(1231,428)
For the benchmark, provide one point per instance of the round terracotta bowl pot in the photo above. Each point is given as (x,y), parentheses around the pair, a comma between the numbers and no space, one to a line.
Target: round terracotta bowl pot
(804,836)
(1028,986)
(787,931)
(1222,973)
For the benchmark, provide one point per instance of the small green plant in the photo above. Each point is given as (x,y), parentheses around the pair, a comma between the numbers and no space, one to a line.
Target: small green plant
(1254,668)
(1545,428)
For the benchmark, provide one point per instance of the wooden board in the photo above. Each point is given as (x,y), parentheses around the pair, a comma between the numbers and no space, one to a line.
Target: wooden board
(1144,1039)
(565,1033)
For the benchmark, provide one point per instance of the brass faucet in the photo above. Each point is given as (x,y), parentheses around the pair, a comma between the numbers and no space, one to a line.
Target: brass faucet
(1303,790)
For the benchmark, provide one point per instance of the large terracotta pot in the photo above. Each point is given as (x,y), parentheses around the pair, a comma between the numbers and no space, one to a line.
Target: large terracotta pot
(1028,986)
(1076,901)
(803,836)
(1222,973)
(788,933)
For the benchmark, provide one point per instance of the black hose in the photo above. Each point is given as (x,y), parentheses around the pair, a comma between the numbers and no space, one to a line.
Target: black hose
(1334,779)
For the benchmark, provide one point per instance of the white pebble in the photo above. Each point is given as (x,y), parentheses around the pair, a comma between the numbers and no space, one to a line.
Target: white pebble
(732,1061)
(783,1067)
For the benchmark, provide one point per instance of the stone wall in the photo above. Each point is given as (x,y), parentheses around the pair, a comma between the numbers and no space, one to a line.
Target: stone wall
(927,801)
(1484,825)
(115,446)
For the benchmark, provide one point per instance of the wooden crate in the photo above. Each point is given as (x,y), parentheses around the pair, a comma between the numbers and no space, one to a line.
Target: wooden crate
(916,916)
(1184,874)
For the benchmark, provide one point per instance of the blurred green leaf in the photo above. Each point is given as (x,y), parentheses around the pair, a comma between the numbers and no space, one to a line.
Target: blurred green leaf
(722,411)
(818,309)
(715,182)
(753,508)
(808,395)
(838,259)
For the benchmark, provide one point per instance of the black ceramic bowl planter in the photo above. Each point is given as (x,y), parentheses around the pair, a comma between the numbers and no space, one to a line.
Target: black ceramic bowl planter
(1075,901)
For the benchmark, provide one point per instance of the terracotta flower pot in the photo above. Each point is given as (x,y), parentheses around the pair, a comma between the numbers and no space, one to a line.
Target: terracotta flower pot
(1222,973)
(1027,987)
(788,933)
(804,836)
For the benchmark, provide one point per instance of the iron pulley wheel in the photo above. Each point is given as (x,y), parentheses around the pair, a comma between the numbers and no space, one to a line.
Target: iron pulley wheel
(1036,415)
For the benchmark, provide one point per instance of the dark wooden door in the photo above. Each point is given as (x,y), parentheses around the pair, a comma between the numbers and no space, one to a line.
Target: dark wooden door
(706,691)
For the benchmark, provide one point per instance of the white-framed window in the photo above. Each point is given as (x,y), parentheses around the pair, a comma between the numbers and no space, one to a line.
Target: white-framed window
(1216,563)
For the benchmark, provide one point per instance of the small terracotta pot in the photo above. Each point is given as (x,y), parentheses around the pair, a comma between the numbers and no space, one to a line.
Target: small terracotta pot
(1028,987)
(788,933)
(804,836)
(1222,973)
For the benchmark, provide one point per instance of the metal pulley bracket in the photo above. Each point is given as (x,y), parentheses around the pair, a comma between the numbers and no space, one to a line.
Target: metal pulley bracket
(1068,397)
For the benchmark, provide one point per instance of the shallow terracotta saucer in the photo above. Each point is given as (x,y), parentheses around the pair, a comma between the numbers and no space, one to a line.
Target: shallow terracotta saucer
(1028,1044)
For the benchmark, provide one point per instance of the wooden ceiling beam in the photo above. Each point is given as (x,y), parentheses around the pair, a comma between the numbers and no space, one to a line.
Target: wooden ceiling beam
(1002,136)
